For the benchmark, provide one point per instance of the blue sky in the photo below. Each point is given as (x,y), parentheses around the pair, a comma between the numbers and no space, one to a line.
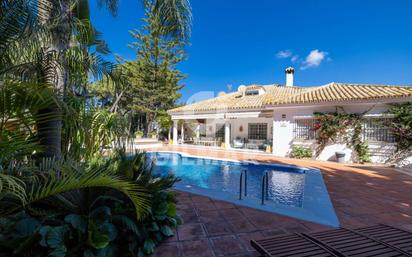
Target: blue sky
(243,42)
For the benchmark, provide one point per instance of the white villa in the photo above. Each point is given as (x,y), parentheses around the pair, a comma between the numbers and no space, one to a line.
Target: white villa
(277,117)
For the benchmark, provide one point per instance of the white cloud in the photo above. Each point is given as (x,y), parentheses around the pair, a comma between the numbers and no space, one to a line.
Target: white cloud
(284,54)
(314,59)
(295,58)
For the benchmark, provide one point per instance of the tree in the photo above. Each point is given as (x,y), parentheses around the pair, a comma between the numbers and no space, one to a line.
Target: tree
(61,38)
(153,76)
(165,122)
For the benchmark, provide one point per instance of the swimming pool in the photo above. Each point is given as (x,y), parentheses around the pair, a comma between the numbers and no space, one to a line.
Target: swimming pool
(293,191)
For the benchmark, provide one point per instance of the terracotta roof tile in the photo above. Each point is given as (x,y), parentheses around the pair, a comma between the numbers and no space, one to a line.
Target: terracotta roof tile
(281,95)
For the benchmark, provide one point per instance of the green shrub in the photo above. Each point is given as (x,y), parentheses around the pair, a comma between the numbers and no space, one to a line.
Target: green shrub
(96,221)
(152,134)
(300,152)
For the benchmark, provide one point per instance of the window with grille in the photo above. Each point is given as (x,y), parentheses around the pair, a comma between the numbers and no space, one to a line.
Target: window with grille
(258,130)
(375,129)
(220,131)
(303,129)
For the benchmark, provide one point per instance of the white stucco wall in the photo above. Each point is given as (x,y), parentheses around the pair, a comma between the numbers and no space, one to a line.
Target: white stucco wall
(282,124)
(284,140)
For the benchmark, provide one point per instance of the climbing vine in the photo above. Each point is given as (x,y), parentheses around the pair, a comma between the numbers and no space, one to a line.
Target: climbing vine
(401,127)
(339,126)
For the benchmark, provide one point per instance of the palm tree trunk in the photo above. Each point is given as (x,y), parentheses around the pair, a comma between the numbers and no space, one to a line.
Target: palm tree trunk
(49,131)
(49,123)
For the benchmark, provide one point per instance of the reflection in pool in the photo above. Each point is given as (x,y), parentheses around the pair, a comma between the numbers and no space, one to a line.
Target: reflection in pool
(286,184)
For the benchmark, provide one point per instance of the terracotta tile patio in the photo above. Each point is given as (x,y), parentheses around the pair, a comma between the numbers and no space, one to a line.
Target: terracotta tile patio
(362,195)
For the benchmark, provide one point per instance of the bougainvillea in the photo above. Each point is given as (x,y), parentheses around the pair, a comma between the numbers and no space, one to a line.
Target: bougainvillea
(341,127)
(401,127)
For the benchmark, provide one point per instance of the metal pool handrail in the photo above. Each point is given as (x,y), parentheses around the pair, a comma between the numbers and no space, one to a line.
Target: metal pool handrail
(265,188)
(241,184)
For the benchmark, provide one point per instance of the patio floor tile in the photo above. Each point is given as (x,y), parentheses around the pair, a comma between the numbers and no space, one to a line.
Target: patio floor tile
(191,231)
(197,248)
(205,206)
(189,215)
(217,228)
(167,250)
(232,214)
(242,225)
(224,205)
(227,245)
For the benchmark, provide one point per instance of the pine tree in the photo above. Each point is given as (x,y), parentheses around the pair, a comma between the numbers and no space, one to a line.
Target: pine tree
(154,80)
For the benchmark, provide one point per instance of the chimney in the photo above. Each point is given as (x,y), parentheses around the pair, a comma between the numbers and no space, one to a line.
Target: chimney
(289,76)
(241,89)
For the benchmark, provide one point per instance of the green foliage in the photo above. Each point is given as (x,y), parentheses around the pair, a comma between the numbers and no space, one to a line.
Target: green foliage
(361,147)
(75,203)
(343,127)
(90,133)
(93,221)
(401,127)
(139,133)
(153,75)
(300,152)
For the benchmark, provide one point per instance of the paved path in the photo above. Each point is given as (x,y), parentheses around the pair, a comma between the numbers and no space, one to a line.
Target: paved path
(362,195)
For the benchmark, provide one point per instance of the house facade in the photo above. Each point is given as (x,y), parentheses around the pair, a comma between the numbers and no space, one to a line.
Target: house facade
(275,118)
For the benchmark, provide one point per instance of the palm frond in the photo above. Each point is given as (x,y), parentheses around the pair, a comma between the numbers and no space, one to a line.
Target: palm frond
(12,187)
(175,15)
(110,5)
(71,179)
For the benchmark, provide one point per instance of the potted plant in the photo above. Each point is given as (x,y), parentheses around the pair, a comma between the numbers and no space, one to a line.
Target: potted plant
(139,134)
(153,134)
(340,156)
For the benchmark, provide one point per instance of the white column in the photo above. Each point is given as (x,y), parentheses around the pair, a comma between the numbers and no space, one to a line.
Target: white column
(182,132)
(273,132)
(227,135)
(198,131)
(175,132)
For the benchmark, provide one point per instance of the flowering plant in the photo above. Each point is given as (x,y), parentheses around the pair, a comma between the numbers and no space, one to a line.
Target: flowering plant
(334,127)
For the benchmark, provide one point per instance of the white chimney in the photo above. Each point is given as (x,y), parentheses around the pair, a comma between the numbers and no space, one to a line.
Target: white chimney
(289,76)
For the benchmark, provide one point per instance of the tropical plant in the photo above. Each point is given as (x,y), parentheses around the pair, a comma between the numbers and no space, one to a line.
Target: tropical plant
(47,52)
(49,42)
(55,190)
(163,218)
(58,220)
(59,197)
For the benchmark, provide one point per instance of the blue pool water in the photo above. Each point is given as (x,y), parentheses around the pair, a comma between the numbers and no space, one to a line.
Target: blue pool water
(285,184)
(293,191)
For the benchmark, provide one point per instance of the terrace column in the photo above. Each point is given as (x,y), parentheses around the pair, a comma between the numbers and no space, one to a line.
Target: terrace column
(182,132)
(198,131)
(273,132)
(227,135)
(175,132)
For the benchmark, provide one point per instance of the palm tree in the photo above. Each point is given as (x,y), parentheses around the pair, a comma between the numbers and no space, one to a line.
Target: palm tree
(60,35)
